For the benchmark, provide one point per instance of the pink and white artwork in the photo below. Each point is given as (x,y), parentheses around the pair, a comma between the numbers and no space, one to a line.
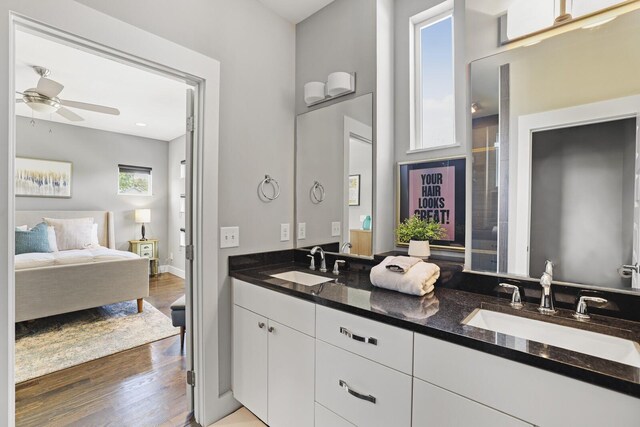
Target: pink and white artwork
(432,194)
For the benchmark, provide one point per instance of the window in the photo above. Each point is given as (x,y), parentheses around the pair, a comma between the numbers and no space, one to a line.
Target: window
(433,90)
(134,180)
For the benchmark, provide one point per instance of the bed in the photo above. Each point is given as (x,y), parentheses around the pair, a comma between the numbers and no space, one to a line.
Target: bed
(55,283)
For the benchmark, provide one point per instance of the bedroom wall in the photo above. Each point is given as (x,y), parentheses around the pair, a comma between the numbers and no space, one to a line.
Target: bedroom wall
(95,155)
(177,151)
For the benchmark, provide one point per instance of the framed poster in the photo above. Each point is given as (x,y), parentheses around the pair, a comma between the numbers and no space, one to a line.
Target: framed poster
(354,190)
(42,178)
(434,190)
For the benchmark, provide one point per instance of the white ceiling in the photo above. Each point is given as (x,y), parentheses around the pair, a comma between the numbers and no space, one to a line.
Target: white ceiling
(295,11)
(141,96)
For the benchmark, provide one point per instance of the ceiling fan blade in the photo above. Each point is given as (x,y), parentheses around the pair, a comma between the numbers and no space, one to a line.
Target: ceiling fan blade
(90,107)
(48,87)
(69,115)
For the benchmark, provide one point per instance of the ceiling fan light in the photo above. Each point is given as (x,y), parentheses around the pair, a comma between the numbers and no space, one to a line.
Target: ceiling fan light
(43,108)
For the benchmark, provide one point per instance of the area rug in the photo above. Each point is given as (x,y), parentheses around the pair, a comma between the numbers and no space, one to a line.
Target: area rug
(58,342)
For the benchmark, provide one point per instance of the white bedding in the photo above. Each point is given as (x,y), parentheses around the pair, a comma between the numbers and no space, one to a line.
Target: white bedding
(75,256)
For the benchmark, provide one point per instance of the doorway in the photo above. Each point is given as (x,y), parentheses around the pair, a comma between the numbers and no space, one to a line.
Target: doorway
(190,231)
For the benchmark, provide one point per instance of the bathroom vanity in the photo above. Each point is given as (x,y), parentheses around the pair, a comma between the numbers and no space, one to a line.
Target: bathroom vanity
(342,353)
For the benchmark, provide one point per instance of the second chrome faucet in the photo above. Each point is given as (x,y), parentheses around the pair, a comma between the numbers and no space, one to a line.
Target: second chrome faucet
(546,300)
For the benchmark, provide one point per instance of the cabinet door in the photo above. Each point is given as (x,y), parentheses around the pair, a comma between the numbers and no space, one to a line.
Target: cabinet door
(250,360)
(291,377)
(435,406)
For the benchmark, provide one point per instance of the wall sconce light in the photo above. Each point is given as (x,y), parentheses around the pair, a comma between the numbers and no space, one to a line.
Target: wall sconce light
(338,84)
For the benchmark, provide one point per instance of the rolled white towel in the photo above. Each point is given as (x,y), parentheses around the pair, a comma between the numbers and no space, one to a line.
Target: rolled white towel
(402,264)
(419,280)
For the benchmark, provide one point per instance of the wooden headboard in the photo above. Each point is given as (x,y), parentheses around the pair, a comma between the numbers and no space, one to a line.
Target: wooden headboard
(104,219)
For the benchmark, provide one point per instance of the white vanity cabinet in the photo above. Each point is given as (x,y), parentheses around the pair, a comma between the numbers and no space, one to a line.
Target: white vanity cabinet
(274,355)
(483,383)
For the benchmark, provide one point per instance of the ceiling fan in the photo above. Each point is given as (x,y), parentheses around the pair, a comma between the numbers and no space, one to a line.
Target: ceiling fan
(44,99)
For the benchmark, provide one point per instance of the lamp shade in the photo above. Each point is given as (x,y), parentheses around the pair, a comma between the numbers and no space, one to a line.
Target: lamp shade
(339,83)
(143,216)
(419,248)
(313,92)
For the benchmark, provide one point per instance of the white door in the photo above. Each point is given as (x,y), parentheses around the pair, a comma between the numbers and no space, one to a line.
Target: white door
(188,227)
(633,269)
(291,377)
(250,360)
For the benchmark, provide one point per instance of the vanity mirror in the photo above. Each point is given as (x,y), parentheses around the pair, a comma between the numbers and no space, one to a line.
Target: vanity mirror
(554,132)
(334,177)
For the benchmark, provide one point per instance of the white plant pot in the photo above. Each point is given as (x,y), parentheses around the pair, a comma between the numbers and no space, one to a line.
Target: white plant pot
(419,249)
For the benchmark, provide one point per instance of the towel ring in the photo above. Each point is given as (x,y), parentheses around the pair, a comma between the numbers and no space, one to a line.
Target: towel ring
(317,192)
(276,188)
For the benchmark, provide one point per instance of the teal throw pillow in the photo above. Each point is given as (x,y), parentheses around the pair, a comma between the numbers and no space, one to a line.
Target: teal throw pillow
(34,240)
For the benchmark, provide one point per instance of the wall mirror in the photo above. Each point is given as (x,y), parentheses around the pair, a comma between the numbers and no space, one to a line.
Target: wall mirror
(555,170)
(334,177)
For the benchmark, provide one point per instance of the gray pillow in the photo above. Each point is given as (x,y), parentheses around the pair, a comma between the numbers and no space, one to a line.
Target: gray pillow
(34,240)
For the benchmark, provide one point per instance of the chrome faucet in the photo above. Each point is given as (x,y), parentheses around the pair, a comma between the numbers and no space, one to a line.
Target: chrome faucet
(323,263)
(336,266)
(345,246)
(546,300)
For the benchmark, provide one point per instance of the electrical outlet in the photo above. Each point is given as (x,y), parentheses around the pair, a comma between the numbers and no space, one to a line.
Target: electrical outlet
(302,230)
(170,256)
(229,237)
(335,229)
(284,232)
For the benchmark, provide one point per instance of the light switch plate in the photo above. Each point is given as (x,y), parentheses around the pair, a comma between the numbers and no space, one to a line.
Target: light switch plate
(302,230)
(335,229)
(229,237)
(284,232)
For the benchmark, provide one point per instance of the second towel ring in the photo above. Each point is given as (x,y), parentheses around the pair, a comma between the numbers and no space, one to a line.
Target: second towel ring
(276,188)
(317,192)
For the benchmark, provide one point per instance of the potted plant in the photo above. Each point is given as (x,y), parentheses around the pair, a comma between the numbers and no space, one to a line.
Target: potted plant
(418,232)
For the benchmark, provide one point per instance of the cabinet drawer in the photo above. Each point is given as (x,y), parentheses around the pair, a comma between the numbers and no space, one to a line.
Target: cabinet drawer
(292,312)
(326,418)
(146,254)
(381,343)
(435,406)
(377,395)
(146,247)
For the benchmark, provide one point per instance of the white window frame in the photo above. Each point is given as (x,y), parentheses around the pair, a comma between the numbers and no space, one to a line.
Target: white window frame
(416,24)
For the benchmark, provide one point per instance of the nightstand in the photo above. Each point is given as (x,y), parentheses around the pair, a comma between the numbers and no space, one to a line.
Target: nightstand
(147,249)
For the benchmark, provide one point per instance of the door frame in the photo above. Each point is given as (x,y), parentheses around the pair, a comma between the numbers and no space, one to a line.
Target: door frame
(94,31)
(520,193)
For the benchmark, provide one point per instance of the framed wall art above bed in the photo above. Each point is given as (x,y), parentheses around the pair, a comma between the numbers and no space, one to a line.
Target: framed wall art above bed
(42,178)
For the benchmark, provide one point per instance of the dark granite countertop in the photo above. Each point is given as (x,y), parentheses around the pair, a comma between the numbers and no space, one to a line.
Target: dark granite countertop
(440,315)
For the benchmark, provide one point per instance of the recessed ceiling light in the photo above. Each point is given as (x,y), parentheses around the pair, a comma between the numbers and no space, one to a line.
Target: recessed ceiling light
(141,124)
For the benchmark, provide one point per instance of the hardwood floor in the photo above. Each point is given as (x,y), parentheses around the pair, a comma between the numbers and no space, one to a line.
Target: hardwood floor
(144,386)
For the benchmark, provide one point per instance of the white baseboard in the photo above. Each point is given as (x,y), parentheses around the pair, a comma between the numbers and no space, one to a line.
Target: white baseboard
(173,270)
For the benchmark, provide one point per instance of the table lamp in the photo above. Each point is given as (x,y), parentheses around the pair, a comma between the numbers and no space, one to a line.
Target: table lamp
(143,216)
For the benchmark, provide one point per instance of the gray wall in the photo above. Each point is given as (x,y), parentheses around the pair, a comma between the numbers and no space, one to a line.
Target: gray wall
(177,153)
(95,155)
(582,202)
(339,37)
(256,49)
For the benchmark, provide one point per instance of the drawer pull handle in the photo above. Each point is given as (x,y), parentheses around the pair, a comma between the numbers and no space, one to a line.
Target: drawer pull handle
(367,340)
(271,329)
(354,393)
(260,325)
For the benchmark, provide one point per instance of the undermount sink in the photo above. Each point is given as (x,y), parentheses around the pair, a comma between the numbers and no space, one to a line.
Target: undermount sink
(301,278)
(595,344)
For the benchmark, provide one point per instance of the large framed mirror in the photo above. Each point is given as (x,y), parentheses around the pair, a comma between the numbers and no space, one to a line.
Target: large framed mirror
(334,177)
(555,165)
